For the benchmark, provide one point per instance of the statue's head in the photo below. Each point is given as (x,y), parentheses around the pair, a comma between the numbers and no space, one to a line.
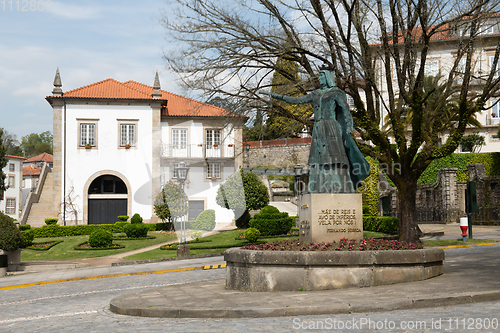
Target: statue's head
(326,78)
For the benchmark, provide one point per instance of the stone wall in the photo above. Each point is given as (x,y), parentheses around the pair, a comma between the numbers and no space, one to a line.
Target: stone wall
(444,201)
(276,153)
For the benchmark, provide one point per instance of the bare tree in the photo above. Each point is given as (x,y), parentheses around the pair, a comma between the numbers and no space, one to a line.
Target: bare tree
(379,51)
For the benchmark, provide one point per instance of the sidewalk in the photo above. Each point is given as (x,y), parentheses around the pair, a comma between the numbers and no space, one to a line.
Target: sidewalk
(467,279)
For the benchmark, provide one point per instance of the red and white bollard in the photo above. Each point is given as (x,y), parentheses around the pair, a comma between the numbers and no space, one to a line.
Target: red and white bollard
(464,224)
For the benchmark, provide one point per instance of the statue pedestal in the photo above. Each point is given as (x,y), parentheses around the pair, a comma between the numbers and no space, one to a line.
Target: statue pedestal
(328,217)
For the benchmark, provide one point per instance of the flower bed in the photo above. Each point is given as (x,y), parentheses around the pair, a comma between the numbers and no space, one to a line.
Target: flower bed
(344,245)
(44,246)
(86,246)
(273,267)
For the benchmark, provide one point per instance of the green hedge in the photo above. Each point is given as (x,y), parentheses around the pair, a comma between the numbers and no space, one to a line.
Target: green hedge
(271,222)
(385,224)
(76,230)
(460,161)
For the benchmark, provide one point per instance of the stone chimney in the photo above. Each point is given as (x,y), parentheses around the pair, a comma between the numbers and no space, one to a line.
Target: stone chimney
(156,87)
(57,91)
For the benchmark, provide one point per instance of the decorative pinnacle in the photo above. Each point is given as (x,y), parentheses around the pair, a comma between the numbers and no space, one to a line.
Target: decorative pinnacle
(57,91)
(156,87)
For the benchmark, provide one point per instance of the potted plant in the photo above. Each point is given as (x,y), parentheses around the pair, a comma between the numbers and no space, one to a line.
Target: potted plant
(200,145)
(88,146)
(127,146)
(213,178)
(216,145)
(493,114)
(230,145)
(11,241)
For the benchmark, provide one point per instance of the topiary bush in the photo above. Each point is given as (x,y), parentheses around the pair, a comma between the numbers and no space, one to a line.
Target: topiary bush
(136,219)
(11,238)
(123,218)
(101,238)
(252,234)
(51,221)
(121,225)
(28,236)
(204,221)
(242,221)
(136,230)
(271,222)
(196,234)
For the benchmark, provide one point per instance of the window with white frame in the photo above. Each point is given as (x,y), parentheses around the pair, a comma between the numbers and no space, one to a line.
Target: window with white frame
(432,68)
(179,138)
(486,29)
(497,71)
(127,135)
(12,167)
(213,170)
(176,173)
(10,206)
(87,134)
(12,181)
(213,138)
(495,109)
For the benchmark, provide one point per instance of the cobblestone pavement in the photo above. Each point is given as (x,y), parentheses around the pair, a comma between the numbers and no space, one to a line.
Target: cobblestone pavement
(83,306)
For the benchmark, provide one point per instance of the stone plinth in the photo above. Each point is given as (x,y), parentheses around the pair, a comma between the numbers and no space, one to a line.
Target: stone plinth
(328,217)
(183,251)
(252,270)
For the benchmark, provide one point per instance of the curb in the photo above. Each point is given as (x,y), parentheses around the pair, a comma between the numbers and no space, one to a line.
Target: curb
(261,312)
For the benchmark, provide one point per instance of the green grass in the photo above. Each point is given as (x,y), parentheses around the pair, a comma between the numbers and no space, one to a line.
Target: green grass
(219,243)
(451,242)
(65,249)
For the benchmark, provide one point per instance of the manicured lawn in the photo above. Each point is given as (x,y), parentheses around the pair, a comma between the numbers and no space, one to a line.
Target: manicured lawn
(451,242)
(219,243)
(65,249)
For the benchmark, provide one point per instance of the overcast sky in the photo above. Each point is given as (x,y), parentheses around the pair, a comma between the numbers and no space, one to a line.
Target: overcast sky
(89,40)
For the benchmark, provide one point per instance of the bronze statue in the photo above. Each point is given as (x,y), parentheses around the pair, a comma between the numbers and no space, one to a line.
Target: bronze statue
(335,163)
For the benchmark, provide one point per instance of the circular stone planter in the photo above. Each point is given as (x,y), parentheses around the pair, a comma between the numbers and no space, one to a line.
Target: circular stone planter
(252,270)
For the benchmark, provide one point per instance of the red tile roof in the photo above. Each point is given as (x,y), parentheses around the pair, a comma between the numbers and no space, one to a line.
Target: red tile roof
(12,156)
(174,105)
(44,157)
(182,106)
(31,171)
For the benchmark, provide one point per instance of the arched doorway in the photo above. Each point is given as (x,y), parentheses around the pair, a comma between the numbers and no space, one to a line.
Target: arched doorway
(107,199)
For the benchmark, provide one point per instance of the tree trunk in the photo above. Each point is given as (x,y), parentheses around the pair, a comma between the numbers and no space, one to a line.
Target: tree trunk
(408,227)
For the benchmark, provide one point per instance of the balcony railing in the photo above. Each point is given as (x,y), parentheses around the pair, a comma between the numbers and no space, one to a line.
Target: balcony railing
(198,151)
(492,121)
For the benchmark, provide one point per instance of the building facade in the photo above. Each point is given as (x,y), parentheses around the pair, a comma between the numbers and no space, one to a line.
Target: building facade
(117,143)
(11,203)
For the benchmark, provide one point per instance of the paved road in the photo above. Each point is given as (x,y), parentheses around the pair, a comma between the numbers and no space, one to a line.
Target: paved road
(82,306)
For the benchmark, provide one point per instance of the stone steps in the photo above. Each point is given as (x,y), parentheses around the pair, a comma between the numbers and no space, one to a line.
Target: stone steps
(46,207)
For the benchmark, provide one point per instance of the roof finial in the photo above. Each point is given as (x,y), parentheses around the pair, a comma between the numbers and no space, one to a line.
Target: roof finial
(156,87)
(57,91)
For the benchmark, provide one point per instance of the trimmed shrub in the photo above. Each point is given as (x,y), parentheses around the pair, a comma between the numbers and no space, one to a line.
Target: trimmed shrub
(385,224)
(164,226)
(136,230)
(101,238)
(28,236)
(123,218)
(196,234)
(11,238)
(51,221)
(23,227)
(204,221)
(121,224)
(271,222)
(136,219)
(242,221)
(252,234)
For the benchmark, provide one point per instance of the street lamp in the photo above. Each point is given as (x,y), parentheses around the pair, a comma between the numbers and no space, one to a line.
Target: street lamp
(183,248)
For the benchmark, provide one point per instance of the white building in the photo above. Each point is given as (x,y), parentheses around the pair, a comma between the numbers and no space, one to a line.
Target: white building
(117,143)
(10,204)
(440,60)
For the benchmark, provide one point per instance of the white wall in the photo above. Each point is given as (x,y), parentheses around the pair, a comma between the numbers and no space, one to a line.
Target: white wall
(135,164)
(14,192)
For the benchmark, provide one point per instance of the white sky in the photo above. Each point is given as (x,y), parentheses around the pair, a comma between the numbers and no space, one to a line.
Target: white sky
(89,40)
